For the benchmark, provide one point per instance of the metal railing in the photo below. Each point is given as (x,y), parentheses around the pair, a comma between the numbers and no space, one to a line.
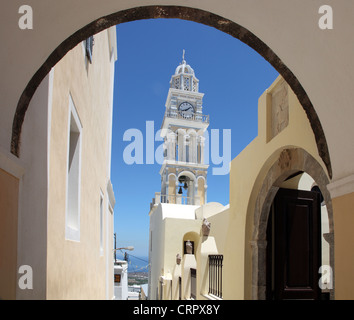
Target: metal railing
(215,274)
(187,116)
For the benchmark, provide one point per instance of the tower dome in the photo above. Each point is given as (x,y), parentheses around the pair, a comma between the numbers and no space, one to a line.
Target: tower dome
(184,77)
(184,68)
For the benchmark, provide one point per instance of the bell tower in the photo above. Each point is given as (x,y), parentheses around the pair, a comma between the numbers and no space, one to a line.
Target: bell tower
(183,172)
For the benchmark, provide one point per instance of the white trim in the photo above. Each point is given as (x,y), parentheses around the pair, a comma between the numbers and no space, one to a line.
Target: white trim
(341,186)
(187,165)
(111,103)
(112,41)
(187,173)
(192,132)
(109,255)
(110,192)
(73,233)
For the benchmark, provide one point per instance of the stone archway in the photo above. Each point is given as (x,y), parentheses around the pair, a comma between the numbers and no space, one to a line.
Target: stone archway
(288,162)
(185,13)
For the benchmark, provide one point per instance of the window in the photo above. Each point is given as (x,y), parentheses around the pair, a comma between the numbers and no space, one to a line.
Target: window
(72,229)
(188,247)
(101,224)
(215,274)
(117,278)
(186,82)
(89,47)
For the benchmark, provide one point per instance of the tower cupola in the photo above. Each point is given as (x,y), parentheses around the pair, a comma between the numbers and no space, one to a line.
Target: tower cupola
(184,78)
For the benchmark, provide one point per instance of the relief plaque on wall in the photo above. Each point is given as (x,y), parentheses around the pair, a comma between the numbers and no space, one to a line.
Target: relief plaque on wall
(279,109)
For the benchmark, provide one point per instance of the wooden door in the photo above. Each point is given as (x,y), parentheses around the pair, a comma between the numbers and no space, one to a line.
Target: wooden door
(294,252)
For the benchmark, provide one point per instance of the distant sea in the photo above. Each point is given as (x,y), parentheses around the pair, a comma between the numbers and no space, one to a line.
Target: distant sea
(138,264)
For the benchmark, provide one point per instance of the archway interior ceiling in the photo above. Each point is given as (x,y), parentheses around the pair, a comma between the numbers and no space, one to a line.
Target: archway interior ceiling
(185,13)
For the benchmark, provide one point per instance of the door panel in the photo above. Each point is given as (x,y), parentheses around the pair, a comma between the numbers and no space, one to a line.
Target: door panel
(297,244)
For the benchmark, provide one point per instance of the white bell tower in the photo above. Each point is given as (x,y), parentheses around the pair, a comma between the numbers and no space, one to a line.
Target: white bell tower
(183,172)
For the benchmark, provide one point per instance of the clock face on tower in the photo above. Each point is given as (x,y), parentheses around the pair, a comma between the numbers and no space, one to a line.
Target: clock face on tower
(186,109)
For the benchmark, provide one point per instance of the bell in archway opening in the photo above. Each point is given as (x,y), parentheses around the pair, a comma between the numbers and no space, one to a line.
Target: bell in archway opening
(180,190)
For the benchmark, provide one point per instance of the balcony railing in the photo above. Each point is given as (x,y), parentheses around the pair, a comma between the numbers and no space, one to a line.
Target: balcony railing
(215,274)
(174,199)
(187,116)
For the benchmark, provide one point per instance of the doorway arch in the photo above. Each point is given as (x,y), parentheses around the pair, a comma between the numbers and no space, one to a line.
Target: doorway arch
(184,13)
(284,163)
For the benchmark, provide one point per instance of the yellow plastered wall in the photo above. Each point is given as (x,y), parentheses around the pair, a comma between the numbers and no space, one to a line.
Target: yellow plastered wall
(247,174)
(77,269)
(176,231)
(344,255)
(9,188)
(218,216)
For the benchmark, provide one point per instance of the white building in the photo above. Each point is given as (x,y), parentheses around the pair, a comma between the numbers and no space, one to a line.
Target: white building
(120,280)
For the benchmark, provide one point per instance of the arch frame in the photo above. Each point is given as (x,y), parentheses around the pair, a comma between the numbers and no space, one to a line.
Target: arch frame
(201,177)
(171,174)
(187,173)
(284,163)
(179,12)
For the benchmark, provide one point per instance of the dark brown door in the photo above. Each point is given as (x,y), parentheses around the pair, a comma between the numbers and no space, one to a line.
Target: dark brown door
(294,237)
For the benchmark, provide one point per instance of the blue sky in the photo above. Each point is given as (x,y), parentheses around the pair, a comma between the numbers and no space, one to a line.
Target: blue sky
(231,75)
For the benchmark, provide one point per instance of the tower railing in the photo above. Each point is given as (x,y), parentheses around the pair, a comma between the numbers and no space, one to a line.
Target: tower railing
(174,199)
(187,116)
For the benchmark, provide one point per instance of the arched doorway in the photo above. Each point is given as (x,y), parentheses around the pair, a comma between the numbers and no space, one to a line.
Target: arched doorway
(287,164)
(297,242)
(185,13)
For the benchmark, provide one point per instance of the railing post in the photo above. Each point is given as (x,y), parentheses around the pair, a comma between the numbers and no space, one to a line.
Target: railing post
(157,197)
